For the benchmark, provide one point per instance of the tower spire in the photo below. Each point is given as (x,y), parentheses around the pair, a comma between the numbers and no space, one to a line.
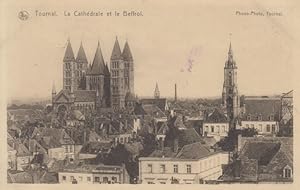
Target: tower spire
(81,56)
(69,55)
(156,92)
(116,52)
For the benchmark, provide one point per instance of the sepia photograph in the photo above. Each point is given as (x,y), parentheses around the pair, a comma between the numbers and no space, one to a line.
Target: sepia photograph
(183,92)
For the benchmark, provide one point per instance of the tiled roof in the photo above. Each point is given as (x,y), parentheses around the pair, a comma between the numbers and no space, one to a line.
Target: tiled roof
(194,151)
(95,147)
(81,57)
(69,55)
(85,95)
(116,52)
(188,136)
(161,103)
(216,117)
(98,63)
(167,152)
(264,107)
(127,56)
(20,177)
(153,110)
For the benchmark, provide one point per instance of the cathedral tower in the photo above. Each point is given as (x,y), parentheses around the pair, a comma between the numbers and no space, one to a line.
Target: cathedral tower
(82,66)
(230,96)
(69,79)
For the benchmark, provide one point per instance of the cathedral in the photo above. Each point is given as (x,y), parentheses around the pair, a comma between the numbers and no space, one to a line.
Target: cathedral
(230,95)
(95,86)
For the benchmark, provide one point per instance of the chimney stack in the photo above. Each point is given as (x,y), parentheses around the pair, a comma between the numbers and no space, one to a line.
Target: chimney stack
(175,92)
(161,143)
(175,145)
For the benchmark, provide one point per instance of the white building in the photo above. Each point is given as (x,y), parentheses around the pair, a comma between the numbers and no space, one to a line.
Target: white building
(262,114)
(194,164)
(216,125)
(93,174)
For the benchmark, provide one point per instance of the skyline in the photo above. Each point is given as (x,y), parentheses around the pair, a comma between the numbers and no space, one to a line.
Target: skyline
(262,49)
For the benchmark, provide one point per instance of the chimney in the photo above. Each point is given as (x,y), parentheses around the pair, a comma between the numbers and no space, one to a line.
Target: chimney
(161,143)
(175,93)
(84,136)
(239,142)
(175,145)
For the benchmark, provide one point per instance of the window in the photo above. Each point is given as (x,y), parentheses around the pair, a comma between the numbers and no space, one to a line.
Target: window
(80,178)
(97,179)
(252,125)
(188,169)
(206,128)
(287,173)
(273,128)
(268,128)
(88,178)
(162,168)
(114,179)
(247,125)
(150,182)
(249,117)
(64,178)
(223,128)
(175,167)
(71,148)
(105,179)
(218,128)
(260,127)
(71,178)
(66,149)
(271,117)
(150,168)
(212,128)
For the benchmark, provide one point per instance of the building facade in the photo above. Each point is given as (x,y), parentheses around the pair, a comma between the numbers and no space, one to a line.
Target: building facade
(194,164)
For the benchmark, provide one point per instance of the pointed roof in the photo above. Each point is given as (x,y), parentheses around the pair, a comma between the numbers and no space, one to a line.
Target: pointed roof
(127,56)
(230,61)
(156,91)
(69,55)
(81,56)
(106,70)
(116,52)
(98,63)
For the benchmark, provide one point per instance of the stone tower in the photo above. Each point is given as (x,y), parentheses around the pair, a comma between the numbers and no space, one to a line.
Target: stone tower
(156,92)
(96,74)
(69,66)
(122,74)
(82,66)
(230,96)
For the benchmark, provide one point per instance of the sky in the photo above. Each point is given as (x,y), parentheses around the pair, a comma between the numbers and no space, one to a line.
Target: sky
(162,41)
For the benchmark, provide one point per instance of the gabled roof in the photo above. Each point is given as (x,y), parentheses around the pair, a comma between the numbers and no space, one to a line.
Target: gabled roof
(153,110)
(159,102)
(216,117)
(95,147)
(127,56)
(116,52)
(194,151)
(106,70)
(98,63)
(81,56)
(69,55)
(85,95)
(264,107)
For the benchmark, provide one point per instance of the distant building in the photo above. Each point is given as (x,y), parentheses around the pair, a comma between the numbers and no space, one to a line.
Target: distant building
(92,87)
(261,160)
(216,125)
(156,92)
(230,95)
(194,164)
(286,112)
(93,174)
(261,113)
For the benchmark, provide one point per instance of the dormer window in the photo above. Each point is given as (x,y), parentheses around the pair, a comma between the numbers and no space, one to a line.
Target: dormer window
(248,117)
(287,172)
(271,117)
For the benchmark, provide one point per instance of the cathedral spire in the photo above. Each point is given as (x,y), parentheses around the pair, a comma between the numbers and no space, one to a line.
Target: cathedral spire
(156,91)
(81,56)
(127,56)
(116,52)
(98,62)
(69,55)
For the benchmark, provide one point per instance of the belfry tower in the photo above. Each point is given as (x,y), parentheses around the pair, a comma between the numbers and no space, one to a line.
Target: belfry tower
(156,92)
(230,96)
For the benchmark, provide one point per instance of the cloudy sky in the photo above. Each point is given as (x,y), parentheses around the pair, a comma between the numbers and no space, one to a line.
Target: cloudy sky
(162,42)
